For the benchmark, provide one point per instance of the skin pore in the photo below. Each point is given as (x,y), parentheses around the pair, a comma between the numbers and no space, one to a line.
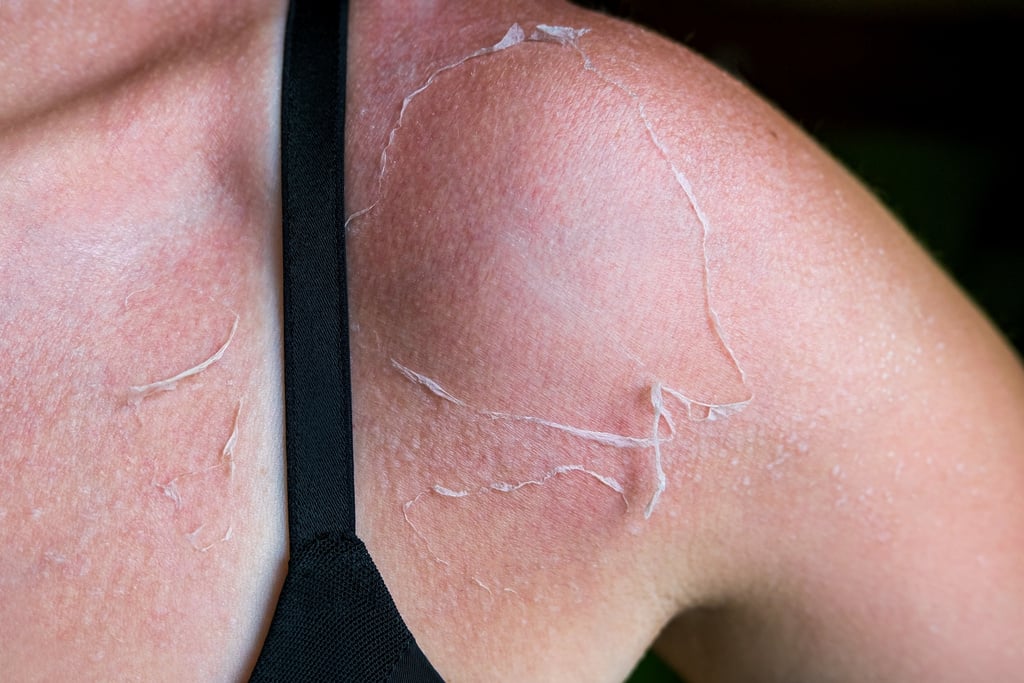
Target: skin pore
(533,254)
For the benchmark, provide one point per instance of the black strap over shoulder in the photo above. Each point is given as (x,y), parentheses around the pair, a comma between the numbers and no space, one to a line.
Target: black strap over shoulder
(335,620)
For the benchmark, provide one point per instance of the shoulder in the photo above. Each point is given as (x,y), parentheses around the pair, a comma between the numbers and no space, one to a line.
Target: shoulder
(582,243)
(532,322)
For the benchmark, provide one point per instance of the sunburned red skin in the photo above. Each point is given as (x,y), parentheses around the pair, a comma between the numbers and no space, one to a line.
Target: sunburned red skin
(474,282)
(533,256)
(142,523)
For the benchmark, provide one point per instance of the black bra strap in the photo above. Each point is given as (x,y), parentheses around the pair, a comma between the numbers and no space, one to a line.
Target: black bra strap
(335,620)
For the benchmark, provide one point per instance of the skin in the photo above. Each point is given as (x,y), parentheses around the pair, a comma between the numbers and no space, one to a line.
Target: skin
(531,253)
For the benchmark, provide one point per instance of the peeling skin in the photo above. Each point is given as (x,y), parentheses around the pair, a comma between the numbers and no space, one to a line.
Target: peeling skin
(610,482)
(706,411)
(442,491)
(513,36)
(569,37)
(507,487)
(171,491)
(227,454)
(654,441)
(696,411)
(432,386)
(226,460)
(129,296)
(483,585)
(615,440)
(405,512)
(136,394)
(193,538)
(657,403)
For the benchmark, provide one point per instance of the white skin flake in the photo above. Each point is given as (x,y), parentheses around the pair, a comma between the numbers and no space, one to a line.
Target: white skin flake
(227,454)
(653,441)
(193,538)
(571,38)
(610,482)
(226,461)
(136,394)
(432,386)
(442,491)
(616,440)
(507,487)
(513,36)
(483,585)
(405,512)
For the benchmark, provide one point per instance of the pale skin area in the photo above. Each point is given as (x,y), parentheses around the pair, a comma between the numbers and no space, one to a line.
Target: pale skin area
(860,520)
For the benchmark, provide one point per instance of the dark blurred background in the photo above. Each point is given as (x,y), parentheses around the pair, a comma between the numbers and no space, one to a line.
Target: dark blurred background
(916,97)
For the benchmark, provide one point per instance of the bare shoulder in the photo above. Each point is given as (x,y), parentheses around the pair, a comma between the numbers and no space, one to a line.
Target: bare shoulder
(627,343)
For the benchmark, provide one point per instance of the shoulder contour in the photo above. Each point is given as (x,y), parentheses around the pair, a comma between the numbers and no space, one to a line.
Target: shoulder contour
(525,260)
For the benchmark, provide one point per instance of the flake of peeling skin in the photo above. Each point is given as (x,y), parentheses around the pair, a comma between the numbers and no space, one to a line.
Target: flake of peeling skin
(513,36)
(657,403)
(193,538)
(227,460)
(227,454)
(712,411)
(171,491)
(563,35)
(566,36)
(442,491)
(610,482)
(430,384)
(138,393)
(605,438)
(506,487)
(426,542)
(194,534)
